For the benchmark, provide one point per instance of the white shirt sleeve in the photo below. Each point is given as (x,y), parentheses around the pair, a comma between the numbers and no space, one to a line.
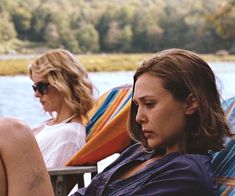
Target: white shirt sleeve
(58,143)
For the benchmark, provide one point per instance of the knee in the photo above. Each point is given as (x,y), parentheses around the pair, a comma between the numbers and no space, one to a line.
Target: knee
(12,129)
(9,125)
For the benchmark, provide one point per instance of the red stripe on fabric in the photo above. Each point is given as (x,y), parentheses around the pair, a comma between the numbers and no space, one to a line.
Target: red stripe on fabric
(228,181)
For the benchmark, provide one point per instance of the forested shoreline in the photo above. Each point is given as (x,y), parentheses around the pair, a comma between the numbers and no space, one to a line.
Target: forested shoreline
(117,26)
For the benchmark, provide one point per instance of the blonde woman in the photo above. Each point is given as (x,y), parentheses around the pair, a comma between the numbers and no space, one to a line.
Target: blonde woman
(63,88)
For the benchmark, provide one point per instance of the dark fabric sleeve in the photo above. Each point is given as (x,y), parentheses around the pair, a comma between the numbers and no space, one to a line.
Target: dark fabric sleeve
(181,177)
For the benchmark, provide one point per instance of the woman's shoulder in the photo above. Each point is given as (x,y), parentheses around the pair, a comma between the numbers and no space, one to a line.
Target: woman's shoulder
(196,165)
(197,160)
(182,174)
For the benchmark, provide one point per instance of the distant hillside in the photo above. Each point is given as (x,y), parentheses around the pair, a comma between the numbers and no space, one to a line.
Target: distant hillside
(117,26)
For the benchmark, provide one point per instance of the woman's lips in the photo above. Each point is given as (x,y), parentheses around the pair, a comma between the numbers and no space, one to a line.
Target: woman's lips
(42,102)
(147,133)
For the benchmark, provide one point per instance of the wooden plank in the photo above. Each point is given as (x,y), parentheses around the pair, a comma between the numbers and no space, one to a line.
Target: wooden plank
(69,170)
(64,179)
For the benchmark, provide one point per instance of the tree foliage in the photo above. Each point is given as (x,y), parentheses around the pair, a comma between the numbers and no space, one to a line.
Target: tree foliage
(121,25)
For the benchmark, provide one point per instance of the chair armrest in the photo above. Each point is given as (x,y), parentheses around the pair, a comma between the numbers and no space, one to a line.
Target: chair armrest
(70,170)
(64,179)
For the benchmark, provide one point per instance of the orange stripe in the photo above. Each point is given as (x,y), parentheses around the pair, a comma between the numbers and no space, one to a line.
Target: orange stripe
(111,109)
(227,191)
(109,134)
(119,124)
(105,140)
(97,155)
(228,181)
(105,134)
(102,121)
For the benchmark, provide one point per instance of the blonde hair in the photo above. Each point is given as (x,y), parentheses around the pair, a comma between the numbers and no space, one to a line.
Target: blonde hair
(68,76)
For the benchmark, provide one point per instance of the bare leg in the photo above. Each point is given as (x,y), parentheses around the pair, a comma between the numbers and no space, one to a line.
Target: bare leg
(22,169)
(3,179)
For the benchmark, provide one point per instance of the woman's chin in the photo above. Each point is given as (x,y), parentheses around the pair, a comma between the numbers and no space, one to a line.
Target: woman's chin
(46,109)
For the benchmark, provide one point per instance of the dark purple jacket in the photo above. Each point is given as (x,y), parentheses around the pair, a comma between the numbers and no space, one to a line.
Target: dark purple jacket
(173,175)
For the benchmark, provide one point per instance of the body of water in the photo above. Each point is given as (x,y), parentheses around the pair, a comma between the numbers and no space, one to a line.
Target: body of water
(17,98)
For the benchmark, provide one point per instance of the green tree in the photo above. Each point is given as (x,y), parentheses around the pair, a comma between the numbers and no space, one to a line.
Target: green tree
(218,29)
(111,41)
(117,38)
(153,38)
(139,29)
(88,38)
(103,27)
(22,21)
(51,35)
(69,42)
(125,39)
(121,25)
(38,24)
(7,30)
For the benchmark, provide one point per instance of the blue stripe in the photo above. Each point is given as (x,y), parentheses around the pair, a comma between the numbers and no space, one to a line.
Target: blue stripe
(223,162)
(109,99)
(227,104)
(124,103)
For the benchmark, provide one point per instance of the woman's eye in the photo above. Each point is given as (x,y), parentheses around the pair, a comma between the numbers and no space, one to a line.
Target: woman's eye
(136,104)
(149,104)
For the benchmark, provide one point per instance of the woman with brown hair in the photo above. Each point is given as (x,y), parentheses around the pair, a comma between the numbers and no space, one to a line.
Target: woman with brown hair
(176,119)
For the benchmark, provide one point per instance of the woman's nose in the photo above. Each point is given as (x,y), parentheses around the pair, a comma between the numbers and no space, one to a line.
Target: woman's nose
(37,94)
(140,117)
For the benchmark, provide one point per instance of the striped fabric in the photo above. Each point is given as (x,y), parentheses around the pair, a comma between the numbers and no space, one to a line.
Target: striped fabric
(107,128)
(224,161)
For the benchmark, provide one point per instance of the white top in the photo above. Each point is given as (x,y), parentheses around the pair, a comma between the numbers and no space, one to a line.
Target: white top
(60,141)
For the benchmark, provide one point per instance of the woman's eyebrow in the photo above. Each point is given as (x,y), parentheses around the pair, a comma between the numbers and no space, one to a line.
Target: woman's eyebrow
(144,97)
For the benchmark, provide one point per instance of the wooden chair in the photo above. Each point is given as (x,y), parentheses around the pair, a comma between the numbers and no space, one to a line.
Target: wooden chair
(106,134)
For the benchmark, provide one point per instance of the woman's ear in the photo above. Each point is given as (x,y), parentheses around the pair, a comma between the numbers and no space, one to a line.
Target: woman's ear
(191,105)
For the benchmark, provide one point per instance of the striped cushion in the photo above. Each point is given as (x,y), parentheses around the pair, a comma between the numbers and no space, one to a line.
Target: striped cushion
(223,162)
(107,128)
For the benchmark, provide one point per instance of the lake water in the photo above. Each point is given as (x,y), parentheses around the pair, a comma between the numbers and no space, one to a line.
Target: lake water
(17,99)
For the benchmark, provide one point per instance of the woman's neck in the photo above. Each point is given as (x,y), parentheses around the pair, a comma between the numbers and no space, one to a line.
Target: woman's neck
(65,114)
(171,149)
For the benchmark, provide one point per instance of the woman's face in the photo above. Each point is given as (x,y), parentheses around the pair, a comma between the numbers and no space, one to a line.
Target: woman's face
(160,115)
(52,100)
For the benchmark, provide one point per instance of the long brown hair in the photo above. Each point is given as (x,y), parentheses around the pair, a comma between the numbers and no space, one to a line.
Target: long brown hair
(183,73)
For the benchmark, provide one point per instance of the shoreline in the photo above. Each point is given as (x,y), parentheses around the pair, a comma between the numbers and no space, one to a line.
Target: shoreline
(17,64)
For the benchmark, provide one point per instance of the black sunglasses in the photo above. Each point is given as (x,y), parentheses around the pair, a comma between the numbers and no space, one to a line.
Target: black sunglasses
(41,87)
